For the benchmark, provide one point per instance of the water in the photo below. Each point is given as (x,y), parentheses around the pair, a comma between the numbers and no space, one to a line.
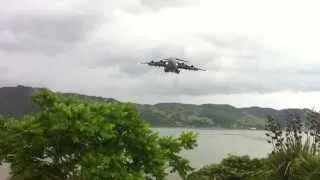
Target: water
(214,145)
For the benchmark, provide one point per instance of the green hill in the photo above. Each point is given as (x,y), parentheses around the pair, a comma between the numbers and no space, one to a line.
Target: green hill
(15,101)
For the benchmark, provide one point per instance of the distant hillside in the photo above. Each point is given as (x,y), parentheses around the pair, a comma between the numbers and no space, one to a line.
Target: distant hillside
(15,101)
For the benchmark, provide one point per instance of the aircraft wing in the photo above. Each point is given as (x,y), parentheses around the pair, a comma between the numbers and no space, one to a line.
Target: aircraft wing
(161,63)
(189,67)
(178,59)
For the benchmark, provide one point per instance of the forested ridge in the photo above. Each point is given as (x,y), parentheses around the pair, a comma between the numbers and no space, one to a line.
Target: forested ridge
(16,101)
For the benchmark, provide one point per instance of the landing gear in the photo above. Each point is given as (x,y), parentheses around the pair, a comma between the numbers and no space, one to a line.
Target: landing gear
(171,70)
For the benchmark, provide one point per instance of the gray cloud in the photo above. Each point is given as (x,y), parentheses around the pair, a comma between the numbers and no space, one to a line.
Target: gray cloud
(237,46)
(46,33)
(230,41)
(93,52)
(158,5)
(129,58)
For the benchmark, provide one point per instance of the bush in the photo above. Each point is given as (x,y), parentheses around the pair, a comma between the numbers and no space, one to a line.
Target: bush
(296,149)
(231,168)
(81,139)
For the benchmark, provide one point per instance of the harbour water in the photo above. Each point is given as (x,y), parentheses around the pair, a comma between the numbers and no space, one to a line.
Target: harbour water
(215,144)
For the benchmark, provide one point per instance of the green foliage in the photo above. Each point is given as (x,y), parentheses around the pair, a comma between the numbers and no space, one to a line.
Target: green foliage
(199,121)
(74,138)
(251,121)
(285,166)
(295,150)
(230,168)
(306,167)
(207,115)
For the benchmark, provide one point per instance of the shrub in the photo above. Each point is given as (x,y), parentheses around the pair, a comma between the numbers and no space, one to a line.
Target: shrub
(298,144)
(231,168)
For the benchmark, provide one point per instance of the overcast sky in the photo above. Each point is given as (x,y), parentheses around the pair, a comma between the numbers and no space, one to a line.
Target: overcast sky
(257,53)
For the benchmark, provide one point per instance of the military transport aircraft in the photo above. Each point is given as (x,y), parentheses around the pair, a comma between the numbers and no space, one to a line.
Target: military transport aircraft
(173,65)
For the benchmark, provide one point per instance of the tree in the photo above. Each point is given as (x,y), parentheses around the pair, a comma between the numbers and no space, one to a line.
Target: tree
(73,138)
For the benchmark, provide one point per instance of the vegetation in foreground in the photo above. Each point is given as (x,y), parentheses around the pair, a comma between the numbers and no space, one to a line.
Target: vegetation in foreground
(78,139)
(72,138)
(295,155)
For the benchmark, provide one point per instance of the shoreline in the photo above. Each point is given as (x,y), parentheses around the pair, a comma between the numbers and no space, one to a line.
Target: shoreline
(204,128)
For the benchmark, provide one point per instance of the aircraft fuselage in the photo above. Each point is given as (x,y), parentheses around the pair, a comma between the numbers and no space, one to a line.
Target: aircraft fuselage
(172,66)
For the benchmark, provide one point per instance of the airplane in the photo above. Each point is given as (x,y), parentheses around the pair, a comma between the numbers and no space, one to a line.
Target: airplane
(173,65)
